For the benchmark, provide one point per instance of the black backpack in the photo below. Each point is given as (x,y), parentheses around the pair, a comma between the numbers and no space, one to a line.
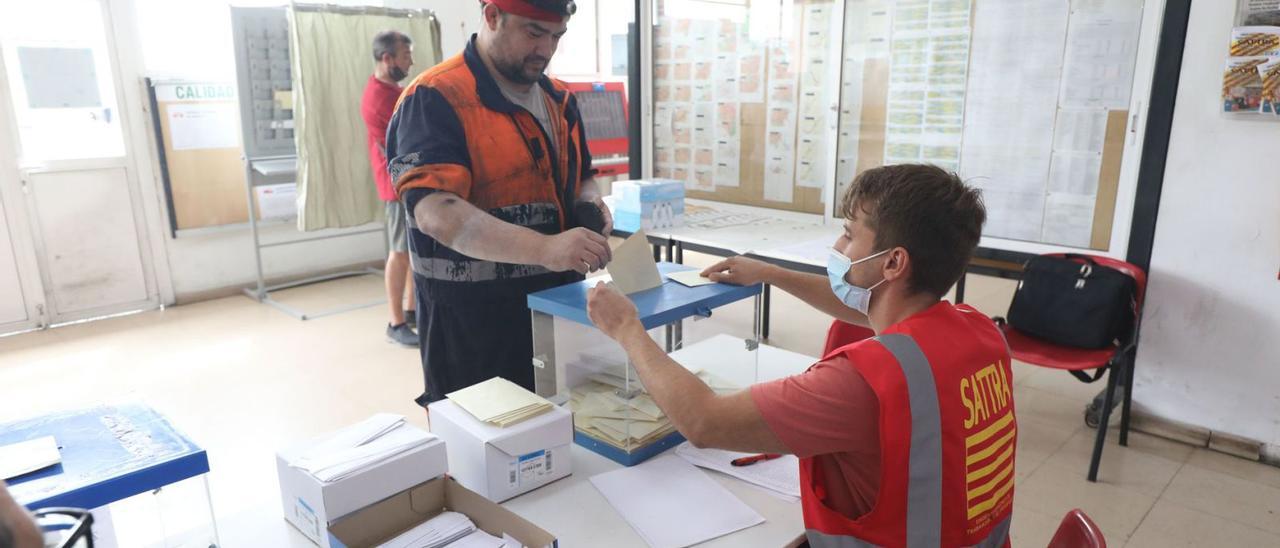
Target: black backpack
(1074,301)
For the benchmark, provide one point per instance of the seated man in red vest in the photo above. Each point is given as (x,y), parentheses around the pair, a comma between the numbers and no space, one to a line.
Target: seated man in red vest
(905,439)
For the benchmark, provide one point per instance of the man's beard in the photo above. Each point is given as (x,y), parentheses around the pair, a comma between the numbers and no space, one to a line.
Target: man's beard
(516,72)
(397,74)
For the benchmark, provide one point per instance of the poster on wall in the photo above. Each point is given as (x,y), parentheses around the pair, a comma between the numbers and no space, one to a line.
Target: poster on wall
(1270,72)
(1258,12)
(195,126)
(1242,85)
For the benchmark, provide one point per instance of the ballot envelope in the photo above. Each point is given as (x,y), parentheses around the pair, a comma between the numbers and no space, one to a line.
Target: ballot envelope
(578,366)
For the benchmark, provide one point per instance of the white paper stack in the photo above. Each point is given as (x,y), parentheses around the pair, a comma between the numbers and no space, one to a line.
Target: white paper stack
(780,476)
(500,402)
(670,503)
(481,539)
(360,446)
(441,530)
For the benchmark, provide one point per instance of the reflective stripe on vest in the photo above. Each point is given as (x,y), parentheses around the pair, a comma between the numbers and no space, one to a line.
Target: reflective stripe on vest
(458,268)
(924,486)
(435,268)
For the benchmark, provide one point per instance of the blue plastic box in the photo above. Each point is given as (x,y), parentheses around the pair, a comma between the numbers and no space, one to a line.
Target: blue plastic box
(577,365)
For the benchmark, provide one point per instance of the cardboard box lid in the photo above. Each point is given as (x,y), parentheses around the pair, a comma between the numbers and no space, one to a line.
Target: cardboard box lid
(515,440)
(388,518)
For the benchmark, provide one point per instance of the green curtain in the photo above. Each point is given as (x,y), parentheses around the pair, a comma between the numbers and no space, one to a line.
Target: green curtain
(331,54)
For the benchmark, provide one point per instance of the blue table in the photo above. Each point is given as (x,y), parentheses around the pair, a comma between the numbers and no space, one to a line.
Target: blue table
(109,453)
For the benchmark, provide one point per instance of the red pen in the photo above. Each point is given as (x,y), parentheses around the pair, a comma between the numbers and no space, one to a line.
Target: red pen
(747,461)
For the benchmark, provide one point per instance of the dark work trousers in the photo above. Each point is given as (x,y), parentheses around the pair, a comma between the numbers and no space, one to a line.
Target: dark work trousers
(472,332)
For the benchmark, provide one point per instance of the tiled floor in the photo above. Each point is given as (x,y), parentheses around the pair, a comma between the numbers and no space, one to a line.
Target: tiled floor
(244,379)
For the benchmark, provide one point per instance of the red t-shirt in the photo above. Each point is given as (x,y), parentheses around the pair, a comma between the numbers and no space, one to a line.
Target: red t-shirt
(831,414)
(376,107)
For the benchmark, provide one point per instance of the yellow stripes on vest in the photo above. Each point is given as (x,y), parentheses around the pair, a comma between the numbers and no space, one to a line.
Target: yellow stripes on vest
(988,486)
(990,450)
(989,431)
(975,475)
(978,509)
(989,464)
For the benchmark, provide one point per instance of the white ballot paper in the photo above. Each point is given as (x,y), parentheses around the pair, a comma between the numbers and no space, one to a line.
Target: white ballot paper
(633,269)
(672,504)
(780,476)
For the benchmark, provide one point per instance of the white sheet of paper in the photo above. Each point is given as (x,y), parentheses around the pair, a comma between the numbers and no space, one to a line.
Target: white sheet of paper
(658,499)
(195,126)
(1101,53)
(689,278)
(28,456)
(633,269)
(1013,91)
(780,476)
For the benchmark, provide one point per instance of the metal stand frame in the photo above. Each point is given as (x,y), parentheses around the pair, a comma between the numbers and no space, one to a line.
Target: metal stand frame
(262,292)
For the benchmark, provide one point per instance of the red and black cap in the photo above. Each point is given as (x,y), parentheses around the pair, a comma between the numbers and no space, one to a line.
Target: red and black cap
(551,11)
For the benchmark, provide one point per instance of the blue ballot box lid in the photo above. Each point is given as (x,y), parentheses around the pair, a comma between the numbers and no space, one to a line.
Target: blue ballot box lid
(667,303)
(109,453)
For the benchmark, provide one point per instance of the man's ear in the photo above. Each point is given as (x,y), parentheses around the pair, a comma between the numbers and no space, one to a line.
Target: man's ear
(898,265)
(492,15)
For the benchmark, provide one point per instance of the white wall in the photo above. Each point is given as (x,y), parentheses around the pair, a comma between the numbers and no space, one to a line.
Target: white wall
(458,19)
(1210,351)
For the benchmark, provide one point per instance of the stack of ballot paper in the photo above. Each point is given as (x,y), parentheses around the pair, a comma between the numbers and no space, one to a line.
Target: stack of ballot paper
(601,411)
(449,529)
(780,476)
(360,447)
(500,402)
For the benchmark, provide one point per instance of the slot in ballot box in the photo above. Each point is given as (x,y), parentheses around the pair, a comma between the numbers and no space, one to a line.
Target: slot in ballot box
(578,366)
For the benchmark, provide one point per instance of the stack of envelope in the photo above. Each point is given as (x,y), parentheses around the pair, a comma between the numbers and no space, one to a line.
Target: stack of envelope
(441,530)
(360,446)
(500,402)
(602,410)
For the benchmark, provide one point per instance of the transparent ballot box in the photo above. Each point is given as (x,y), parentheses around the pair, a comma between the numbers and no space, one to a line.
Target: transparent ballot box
(577,365)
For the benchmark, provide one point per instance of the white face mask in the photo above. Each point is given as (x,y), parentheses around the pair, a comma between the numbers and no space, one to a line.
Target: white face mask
(857,298)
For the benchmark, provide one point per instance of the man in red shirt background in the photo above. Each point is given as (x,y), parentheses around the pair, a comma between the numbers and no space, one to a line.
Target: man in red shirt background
(394,53)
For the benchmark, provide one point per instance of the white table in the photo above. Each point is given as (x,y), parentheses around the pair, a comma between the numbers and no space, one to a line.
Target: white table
(578,515)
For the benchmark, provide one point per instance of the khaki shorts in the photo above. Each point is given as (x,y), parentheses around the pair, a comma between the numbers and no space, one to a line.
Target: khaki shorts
(397,227)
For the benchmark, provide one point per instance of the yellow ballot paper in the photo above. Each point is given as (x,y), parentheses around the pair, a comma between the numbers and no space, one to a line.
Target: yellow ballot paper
(632,268)
(500,402)
(689,278)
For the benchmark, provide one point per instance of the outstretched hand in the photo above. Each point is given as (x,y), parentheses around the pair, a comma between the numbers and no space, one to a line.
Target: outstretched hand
(739,271)
(612,312)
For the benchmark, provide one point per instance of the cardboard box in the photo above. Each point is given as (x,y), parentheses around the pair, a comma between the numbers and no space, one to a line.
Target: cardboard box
(385,520)
(311,506)
(648,204)
(500,463)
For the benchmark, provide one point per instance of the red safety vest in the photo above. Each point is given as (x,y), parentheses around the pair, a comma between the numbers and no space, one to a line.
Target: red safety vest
(947,437)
